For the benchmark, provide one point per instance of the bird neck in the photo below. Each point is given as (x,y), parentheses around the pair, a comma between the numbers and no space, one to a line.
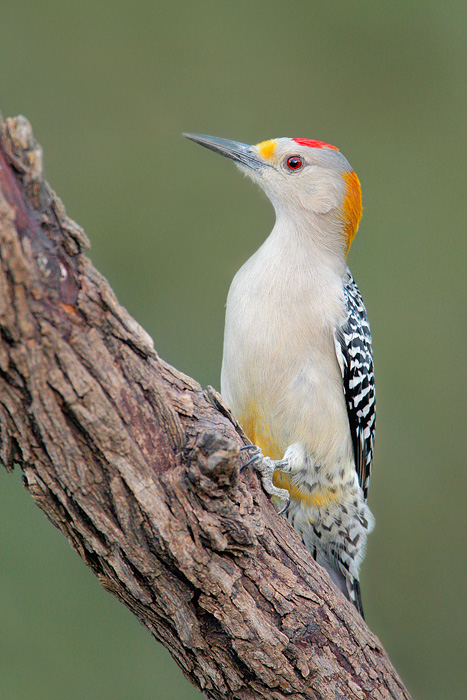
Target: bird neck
(318,239)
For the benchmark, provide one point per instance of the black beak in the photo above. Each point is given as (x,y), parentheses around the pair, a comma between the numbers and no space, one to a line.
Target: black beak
(239,152)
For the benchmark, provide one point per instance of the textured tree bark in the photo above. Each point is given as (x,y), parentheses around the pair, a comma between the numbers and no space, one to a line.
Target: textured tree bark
(139,468)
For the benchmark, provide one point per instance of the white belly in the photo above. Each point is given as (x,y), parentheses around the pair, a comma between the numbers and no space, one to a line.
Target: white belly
(280,373)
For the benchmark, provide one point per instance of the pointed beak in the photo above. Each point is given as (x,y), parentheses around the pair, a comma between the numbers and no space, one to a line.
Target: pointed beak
(240,152)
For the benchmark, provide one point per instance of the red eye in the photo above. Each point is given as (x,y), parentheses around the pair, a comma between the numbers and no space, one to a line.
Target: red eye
(294,163)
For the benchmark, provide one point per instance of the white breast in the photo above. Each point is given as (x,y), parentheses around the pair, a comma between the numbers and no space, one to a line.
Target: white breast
(279,355)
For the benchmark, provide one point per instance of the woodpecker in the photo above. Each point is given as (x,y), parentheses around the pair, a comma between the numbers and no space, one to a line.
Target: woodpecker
(297,366)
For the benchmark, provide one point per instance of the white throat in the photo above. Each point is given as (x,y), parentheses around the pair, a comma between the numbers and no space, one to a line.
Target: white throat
(312,245)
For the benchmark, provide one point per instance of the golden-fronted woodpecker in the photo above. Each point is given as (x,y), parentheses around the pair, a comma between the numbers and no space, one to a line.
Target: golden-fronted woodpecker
(297,367)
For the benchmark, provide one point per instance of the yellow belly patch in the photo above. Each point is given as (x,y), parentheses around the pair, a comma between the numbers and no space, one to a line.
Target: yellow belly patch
(259,433)
(318,499)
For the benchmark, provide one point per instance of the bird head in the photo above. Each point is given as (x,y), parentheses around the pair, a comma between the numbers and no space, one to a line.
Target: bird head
(304,179)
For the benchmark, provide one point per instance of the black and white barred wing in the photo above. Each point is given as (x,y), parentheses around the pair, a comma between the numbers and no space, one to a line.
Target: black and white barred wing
(355,356)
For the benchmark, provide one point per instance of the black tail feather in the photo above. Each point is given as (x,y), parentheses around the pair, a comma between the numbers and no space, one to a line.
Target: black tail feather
(357,597)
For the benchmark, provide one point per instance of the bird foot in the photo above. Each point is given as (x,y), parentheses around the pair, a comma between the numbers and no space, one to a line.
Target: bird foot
(266,468)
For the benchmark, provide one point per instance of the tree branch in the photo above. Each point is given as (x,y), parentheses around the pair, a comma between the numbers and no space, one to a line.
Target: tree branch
(139,468)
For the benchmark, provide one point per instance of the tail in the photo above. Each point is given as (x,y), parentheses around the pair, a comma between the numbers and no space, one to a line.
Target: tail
(355,595)
(347,585)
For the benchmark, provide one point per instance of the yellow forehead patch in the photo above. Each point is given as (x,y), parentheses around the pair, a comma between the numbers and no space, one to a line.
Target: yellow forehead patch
(352,206)
(266,148)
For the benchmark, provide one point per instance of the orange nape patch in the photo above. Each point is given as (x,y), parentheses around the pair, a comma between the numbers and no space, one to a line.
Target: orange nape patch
(266,148)
(352,206)
(317,499)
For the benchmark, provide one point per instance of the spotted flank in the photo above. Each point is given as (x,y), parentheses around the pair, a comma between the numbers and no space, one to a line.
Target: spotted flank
(336,534)
(355,355)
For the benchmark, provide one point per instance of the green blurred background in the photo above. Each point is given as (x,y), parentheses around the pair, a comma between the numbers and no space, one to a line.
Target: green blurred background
(109,87)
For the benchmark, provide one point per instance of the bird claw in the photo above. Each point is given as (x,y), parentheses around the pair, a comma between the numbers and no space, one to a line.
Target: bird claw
(256,455)
(266,467)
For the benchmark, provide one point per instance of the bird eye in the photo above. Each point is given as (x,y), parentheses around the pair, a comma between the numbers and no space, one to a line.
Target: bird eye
(294,163)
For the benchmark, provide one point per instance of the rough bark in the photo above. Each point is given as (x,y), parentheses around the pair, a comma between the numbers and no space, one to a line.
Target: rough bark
(139,468)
